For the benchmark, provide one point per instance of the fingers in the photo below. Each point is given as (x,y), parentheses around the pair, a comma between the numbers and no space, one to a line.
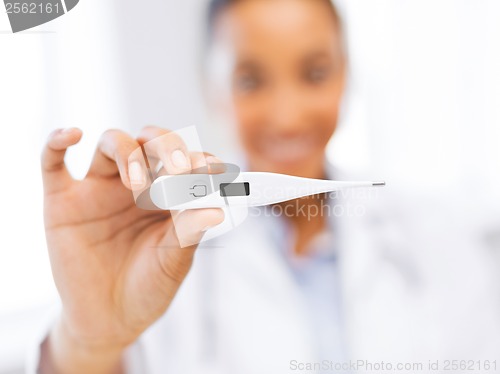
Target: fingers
(176,248)
(167,147)
(203,162)
(54,173)
(119,153)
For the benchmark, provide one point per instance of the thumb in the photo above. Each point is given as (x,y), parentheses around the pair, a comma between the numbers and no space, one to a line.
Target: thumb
(176,249)
(55,175)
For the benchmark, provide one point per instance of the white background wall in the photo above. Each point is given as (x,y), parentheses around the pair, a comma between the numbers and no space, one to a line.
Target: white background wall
(423,108)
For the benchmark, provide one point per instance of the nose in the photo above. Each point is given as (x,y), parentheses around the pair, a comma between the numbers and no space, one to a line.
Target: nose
(287,112)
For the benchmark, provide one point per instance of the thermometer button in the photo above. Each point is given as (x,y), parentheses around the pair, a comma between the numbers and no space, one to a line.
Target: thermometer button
(199,190)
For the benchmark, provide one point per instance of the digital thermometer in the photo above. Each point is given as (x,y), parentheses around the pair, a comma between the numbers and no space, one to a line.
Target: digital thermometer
(249,189)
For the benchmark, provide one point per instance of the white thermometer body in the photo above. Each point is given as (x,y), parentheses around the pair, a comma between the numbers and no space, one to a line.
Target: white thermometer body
(195,191)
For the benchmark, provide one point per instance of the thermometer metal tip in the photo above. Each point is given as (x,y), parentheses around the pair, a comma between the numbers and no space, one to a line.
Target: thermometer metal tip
(247,189)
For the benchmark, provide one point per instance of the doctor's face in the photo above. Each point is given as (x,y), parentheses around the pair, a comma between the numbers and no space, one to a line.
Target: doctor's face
(286,80)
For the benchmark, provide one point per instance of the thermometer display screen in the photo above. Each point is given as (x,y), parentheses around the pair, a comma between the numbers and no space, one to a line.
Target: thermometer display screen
(235,189)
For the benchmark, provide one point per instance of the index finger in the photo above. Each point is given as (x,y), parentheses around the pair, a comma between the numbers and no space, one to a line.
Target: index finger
(119,153)
(165,146)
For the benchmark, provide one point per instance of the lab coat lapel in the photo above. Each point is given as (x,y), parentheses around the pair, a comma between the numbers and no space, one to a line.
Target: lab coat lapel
(382,307)
(379,307)
(262,317)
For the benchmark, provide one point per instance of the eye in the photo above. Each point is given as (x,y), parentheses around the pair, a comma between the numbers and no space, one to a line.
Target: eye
(317,74)
(248,82)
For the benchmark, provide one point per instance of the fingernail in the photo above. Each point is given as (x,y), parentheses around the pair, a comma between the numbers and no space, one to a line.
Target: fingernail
(179,159)
(215,165)
(136,174)
(213,160)
(65,131)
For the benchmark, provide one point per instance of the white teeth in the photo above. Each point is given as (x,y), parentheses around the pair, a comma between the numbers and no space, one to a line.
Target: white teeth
(288,150)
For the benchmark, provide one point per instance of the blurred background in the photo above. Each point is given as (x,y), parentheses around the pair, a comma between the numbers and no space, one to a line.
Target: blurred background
(422,112)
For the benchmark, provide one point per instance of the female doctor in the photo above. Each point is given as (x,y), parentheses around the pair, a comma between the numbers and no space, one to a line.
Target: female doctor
(268,297)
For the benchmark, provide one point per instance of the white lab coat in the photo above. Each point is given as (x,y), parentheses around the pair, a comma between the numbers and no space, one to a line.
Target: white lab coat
(417,283)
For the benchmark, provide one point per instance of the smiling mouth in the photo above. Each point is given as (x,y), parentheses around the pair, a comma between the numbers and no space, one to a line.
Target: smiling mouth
(288,150)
